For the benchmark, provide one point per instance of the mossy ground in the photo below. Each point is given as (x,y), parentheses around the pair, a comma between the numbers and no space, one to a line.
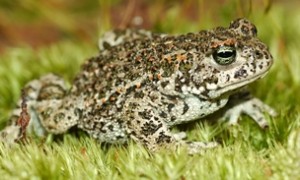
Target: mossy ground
(246,151)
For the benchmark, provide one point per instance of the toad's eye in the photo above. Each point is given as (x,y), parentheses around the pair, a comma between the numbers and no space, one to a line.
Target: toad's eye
(224,55)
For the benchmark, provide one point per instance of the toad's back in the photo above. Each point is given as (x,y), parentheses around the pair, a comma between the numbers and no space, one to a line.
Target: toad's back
(147,59)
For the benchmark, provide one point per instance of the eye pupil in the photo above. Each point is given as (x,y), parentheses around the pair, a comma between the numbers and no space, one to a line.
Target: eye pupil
(224,55)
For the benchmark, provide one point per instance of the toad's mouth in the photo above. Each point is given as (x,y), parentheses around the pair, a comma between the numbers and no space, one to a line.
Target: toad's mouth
(227,88)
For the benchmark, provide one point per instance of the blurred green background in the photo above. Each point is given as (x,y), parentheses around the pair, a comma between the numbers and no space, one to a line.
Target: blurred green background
(38,23)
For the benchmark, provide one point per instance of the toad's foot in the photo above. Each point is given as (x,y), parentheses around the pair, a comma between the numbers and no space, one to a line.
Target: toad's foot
(253,108)
(180,136)
(198,147)
(193,147)
(10,134)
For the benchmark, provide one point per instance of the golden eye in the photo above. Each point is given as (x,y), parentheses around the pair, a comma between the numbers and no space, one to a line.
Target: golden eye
(224,55)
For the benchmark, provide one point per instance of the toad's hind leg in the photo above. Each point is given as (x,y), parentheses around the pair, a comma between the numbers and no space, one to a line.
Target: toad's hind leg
(46,87)
(47,102)
(37,93)
(147,127)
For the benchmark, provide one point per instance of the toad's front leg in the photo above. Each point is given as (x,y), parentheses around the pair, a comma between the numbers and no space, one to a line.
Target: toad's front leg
(244,103)
(146,126)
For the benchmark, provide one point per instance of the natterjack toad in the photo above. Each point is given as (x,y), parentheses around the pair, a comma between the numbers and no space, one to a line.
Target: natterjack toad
(142,84)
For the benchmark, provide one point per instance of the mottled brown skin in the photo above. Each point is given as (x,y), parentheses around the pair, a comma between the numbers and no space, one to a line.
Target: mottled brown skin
(141,84)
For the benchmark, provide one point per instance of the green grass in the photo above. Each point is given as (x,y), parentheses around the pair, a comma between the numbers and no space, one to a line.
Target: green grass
(246,151)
